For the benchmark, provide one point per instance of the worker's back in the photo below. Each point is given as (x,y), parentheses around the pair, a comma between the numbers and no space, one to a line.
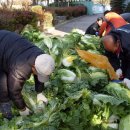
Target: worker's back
(92,29)
(126,16)
(16,51)
(115,19)
(112,20)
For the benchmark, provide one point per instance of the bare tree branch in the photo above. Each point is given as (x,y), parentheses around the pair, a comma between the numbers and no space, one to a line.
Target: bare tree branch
(103,2)
(6,3)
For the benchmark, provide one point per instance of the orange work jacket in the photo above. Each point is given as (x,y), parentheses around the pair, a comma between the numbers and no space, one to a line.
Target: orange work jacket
(115,19)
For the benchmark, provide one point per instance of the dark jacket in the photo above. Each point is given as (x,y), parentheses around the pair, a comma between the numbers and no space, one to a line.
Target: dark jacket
(17,56)
(122,60)
(92,29)
(126,17)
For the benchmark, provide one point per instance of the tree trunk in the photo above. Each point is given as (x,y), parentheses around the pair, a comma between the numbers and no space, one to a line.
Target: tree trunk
(34,2)
(47,2)
(11,4)
(103,7)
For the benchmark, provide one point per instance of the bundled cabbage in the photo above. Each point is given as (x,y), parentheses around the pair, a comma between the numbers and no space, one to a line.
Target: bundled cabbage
(80,97)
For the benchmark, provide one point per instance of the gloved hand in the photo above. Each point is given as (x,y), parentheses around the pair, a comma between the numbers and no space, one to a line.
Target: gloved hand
(117,81)
(127,82)
(119,73)
(97,33)
(41,97)
(25,112)
(5,109)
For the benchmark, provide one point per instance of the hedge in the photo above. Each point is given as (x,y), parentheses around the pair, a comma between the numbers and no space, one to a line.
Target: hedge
(16,19)
(72,11)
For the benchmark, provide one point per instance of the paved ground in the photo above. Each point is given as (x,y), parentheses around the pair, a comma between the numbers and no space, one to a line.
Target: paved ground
(80,23)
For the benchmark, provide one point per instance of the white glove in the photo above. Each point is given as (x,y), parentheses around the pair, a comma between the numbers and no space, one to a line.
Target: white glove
(41,97)
(119,73)
(26,112)
(127,82)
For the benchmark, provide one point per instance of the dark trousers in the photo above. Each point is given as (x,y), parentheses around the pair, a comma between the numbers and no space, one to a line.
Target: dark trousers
(4,95)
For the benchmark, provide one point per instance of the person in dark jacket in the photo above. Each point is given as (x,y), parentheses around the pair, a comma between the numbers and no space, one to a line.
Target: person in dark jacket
(126,17)
(117,44)
(93,29)
(18,60)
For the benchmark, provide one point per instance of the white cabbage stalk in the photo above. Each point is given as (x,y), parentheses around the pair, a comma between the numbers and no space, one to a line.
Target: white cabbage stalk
(113,118)
(68,79)
(68,61)
(40,105)
(41,35)
(31,101)
(67,76)
(56,52)
(113,125)
(78,31)
(96,102)
(87,36)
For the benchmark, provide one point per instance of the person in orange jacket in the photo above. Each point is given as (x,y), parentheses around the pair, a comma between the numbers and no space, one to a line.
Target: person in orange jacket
(112,21)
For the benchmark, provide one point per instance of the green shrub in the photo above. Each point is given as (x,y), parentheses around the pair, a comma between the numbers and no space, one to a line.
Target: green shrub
(24,17)
(118,6)
(16,19)
(127,8)
(72,11)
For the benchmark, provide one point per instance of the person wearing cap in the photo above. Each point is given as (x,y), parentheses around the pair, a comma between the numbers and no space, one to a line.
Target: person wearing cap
(93,29)
(112,21)
(18,60)
(117,46)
